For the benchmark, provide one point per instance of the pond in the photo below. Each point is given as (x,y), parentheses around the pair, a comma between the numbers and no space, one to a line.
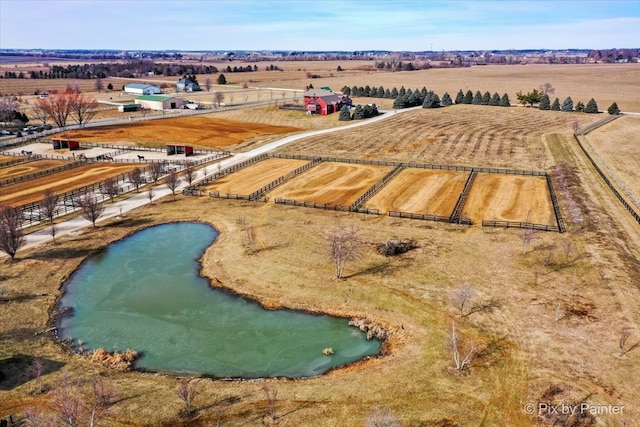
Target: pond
(145,293)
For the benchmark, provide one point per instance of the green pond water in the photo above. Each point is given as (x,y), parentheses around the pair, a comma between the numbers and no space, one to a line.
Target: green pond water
(144,292)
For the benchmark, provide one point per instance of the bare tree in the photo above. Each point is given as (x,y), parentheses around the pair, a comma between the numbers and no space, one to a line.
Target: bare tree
(110,188)
(66,404)
(172,182)
(344,246)
(251,238)
(11,237)
(135,177)
(150,195)
(547,88)
(382,418)
(48,205)
(38,112)
(8,105)
(57,106)
(189,172)
(527,235)
(99,85)
(103,394)
(463,352)
(462,297)
(91,208)
(155,170)
(37,369)
(218,97)
(82,107)
(207,83)
(271,394)
(186,391)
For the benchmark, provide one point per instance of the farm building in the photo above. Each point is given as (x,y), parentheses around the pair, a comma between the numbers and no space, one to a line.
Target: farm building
(323,102)
(63,143)
(187,85)
(127,108)
(172,149)
(159,102)
(141,89)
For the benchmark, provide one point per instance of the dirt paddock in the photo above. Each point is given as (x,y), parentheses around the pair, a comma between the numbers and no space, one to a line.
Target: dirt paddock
(332,183)
(421,191)
(495,197)
(30,191)
(25,168)
(250,179)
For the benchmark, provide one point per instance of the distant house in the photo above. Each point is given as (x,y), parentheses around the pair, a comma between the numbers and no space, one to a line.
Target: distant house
(323,102)
(141,89)
(159,102)
(186,85)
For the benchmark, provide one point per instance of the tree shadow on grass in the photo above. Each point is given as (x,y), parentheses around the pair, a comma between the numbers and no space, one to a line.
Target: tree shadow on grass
(128,222)
(381,269)
(62,253)
(17,370)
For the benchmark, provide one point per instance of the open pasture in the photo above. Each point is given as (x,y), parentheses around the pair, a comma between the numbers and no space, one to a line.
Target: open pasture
(249,179)
(421,191)
(26,168)
(30,191)
(496,197)
(204,132)
(467,135)
(331,183)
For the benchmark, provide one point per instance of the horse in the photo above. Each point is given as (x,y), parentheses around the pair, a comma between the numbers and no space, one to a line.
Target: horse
(140,157)
(26,153)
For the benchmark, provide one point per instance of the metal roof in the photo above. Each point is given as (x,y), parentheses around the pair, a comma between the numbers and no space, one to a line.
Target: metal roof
(140,86)
(157,98)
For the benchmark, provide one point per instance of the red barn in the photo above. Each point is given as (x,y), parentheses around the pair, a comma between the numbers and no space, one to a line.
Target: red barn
(323,102)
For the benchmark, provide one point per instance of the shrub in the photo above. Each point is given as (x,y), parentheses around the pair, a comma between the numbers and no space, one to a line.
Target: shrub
(396,247)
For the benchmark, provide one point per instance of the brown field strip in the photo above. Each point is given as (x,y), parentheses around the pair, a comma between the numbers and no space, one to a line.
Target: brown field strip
(20,169)
(421,191)
(496,197)
(331,183)
(254,177)
(201,131)
(32,190)
(6,159)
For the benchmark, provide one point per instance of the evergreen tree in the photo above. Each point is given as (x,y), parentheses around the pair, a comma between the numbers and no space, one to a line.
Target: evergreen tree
(486,98)
(346,90)
(222,80)
(424,91)
(380,92)
(387,93)
(591,107)
(412,99)
(545,102)
(504,101)
(367,91)
(345,115)
(460,97)
(110,86)
(432,100)
(468,97)
(613,109)
(358,114)
(446,99)
(361,91)
(394,93)
(567,105)
(402,91)
(400,102)
(495,100)
(354,90)
(373,92)
(580,107)
(556,105)
(477,98)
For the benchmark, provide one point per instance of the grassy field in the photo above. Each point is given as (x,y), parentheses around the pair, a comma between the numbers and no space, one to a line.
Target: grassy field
(547,321)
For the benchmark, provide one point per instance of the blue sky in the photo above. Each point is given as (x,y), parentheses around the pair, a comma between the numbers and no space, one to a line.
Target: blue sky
(319,24)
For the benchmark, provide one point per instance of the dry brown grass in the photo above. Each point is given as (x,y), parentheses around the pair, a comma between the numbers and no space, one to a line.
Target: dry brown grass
(617,145)
(562,304)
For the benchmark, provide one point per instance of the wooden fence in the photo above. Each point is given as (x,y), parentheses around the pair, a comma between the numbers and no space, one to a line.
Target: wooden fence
(45,172)
(273,184)
(219,195)
(424,217)
(326,206)
(554,203)
(462,199)
(528,225)
(375,188)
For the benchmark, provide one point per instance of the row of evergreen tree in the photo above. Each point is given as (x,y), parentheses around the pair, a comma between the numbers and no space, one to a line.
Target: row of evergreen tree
(567,105)
(359,112)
